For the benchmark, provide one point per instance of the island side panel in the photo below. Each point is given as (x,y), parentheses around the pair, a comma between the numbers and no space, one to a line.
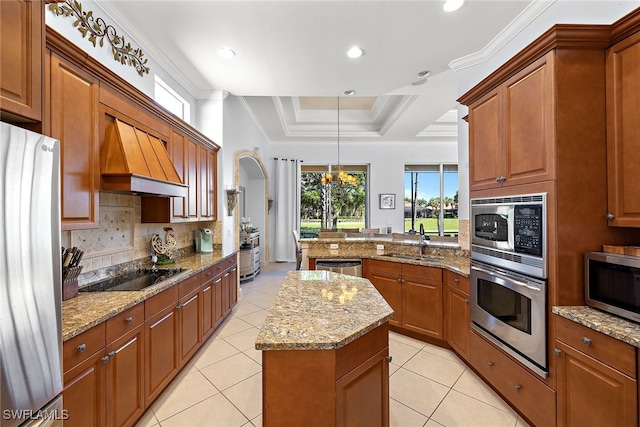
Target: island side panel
(298,388)
(341,387)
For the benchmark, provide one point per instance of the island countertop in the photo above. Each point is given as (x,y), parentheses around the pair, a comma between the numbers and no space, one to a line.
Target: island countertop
(302,319)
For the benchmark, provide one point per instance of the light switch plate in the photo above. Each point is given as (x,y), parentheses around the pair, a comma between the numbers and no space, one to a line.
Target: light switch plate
(380,249)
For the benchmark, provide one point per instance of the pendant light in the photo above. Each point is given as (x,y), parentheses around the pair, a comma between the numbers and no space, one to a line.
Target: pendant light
(339,178)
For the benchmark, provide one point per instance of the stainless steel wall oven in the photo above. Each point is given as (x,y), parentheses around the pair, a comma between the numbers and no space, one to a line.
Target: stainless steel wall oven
(508,276)
(510,310)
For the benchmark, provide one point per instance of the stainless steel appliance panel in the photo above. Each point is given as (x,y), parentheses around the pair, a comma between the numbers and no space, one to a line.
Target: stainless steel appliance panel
(30,276)
(510,232)
(612,283)
(350,267)
(510,310)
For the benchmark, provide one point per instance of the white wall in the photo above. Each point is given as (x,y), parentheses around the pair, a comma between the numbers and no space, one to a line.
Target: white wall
(240,134)
(386,167)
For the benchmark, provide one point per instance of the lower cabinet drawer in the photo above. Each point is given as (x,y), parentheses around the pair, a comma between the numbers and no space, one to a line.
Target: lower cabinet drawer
(81,347)
(521,388)
(608,350)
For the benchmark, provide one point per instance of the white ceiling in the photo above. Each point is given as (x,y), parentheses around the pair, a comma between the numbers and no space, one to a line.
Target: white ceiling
(291,49)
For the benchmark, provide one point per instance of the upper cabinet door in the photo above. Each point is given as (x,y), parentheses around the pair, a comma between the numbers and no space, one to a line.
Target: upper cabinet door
(75,122)
(511,130)
(529,127)
(485,141)
(21,53)
(623,132)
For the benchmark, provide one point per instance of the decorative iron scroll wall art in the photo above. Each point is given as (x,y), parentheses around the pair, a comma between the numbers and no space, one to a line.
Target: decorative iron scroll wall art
(98,30)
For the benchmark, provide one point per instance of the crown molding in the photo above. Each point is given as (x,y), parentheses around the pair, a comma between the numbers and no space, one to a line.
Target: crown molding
(528,15)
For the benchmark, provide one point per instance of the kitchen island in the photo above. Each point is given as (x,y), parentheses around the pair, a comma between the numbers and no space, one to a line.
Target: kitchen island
(325,361)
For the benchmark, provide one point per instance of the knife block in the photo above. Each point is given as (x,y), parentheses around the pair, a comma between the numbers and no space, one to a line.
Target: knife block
(70,281)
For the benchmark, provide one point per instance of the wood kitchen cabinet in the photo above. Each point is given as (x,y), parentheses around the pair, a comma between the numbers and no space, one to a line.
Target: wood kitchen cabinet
(597,378)
(21,58)
(197,166)
(413,292)
(207,172)
(72,105)
(84,378)
(103,384)
(457,312)
(125,379)
(524,390)
(209,303)
(161,342)
(190,317)
(623,128)
(511,130)
(348,386)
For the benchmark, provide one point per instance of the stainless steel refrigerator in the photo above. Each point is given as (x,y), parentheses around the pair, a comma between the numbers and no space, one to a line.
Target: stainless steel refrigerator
(30,279)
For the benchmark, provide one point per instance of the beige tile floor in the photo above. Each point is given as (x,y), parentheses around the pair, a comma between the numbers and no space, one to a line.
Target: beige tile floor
(221,387)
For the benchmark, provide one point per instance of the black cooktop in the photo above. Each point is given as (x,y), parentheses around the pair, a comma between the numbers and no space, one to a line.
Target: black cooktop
(133,281)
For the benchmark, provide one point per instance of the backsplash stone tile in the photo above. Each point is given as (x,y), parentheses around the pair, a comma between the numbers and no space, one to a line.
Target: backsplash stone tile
(122,239)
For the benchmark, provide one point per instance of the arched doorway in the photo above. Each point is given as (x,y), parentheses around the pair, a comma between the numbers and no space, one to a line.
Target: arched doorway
(251,174)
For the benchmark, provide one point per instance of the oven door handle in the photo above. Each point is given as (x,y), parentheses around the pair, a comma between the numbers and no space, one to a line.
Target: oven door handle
(509,279)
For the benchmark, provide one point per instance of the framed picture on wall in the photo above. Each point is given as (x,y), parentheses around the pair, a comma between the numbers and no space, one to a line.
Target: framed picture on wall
(387,201)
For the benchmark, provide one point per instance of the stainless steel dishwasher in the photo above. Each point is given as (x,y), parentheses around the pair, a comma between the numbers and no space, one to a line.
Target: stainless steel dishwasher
(351,267)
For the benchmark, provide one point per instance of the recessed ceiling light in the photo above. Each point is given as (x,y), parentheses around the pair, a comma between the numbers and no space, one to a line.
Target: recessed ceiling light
(225,52)
(424,74)
(355,52)
(451,5)
(349,92)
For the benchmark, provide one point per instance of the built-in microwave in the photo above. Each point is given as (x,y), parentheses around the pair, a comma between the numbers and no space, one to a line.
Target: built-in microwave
(510,232)
(612,283)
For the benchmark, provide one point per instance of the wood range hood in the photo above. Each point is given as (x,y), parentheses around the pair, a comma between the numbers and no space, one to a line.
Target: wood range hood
(134,161)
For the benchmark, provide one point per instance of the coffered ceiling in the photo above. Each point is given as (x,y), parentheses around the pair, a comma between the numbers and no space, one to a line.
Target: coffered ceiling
(291,63)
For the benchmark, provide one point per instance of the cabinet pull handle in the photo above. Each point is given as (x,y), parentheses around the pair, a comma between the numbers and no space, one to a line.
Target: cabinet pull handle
(586,340)
(389,358)
(82,347)
(557,351)
(105,359)
(466,300)
(489,364)
(610,217)
(128,319)
(456,280)
(111,354)
(179,307)
(516,387)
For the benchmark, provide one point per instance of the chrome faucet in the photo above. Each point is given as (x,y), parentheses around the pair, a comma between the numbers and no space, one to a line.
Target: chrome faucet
(423,238)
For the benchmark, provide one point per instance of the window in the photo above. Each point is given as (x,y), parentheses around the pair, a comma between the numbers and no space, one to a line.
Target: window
(431,199)
(170,100)
(322,208)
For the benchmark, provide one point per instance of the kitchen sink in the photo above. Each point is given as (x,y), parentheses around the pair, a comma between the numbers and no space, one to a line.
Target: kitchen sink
(413,257)
(134,281)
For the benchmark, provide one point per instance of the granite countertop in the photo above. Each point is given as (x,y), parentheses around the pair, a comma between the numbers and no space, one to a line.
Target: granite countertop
(302,319)
(89,309)
(450,258)
(608,324)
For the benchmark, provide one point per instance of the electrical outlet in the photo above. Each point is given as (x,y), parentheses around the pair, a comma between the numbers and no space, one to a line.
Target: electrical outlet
(380,247)
(333,246)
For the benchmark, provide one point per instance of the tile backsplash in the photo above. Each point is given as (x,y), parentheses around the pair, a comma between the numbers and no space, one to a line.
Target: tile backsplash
(121,237)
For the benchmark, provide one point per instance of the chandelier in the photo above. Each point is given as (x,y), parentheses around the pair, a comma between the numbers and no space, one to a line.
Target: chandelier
(336,176)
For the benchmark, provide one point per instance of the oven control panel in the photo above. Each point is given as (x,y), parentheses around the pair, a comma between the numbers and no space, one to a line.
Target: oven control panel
(527,224)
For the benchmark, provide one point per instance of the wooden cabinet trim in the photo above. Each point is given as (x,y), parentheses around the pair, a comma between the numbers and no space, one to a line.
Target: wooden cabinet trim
(568,36)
